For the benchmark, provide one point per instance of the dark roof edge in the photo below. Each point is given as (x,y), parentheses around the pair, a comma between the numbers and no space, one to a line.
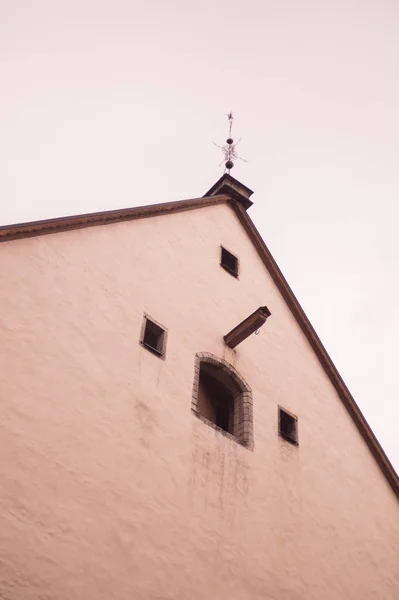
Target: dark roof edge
(319,349)
(59,224)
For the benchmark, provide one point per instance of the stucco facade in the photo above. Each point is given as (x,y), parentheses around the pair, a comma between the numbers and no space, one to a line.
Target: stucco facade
(111,487)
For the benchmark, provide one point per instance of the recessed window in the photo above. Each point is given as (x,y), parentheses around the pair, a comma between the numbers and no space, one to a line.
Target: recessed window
(288,426)
(216,400)
(153,337)
(222,399)
(229,262)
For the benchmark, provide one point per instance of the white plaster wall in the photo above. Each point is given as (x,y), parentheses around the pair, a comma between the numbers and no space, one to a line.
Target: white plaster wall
(111,488)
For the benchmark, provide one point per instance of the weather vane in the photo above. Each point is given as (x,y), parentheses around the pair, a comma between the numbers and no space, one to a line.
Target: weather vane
(229,149)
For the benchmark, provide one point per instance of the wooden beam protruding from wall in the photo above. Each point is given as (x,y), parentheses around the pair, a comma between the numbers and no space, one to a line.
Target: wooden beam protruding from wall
(247,327)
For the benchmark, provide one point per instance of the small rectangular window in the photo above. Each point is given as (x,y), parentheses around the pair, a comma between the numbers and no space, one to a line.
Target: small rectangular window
(288,426)
(153,337)
(229,262)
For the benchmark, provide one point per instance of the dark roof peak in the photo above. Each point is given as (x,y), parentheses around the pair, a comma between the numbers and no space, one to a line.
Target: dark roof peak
(232,187)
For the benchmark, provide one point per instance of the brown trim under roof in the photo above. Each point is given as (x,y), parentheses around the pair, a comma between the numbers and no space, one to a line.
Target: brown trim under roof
(321,353)
(34,228)
(23,230)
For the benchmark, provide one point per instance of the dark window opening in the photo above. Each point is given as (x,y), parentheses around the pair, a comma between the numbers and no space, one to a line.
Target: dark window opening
(216,401)
(222,399)
(229,262)
(154,337)
(288,427)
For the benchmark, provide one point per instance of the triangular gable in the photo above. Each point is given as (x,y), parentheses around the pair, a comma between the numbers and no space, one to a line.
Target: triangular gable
(36,228)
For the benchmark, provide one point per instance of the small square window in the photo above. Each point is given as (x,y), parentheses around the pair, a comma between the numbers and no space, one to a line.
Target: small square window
(229,262)
(288,426)
(153,337)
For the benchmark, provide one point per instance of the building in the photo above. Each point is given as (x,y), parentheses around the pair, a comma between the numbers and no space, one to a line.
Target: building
(152,446)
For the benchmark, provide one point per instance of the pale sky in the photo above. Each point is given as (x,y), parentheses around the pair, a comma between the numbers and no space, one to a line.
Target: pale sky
(109,104)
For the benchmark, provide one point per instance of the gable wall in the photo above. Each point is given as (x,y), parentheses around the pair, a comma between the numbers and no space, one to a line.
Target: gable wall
(113,487)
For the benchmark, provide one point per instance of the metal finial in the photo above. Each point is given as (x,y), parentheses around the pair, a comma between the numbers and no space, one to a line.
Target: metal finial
(230,119)
(229,149)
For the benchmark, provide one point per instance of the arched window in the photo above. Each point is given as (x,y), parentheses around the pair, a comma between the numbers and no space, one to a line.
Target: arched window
(222,398)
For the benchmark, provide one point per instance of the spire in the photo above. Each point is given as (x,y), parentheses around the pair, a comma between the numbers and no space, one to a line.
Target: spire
(227,184)
(229,149)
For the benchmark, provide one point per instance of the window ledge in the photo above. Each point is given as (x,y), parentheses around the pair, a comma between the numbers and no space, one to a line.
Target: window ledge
(219,429)
(229,270)
(289,439)
(153,350)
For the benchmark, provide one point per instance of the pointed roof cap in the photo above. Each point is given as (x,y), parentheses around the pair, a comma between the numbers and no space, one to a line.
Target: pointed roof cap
(233,188)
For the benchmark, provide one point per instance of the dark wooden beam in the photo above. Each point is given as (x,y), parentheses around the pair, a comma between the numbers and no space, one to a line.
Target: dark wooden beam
(247,327)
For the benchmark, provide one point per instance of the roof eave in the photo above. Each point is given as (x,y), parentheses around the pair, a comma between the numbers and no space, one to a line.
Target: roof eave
(319,349)
(68,223)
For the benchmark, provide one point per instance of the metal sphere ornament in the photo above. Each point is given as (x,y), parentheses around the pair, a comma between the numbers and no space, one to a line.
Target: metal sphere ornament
(229,149)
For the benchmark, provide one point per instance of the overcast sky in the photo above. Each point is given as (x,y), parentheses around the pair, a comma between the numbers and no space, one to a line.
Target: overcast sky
(109,103)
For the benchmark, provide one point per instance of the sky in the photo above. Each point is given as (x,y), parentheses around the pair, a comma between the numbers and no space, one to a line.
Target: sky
(110,104)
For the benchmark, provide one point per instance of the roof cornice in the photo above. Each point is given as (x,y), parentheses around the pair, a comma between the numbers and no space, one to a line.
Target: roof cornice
(318,347)
(59,224)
